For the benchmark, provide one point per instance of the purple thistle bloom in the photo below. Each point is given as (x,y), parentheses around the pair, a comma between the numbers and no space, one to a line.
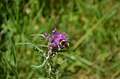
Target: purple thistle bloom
(57,40)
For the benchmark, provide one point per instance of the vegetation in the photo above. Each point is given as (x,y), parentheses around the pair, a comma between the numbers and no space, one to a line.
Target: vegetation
(93,28)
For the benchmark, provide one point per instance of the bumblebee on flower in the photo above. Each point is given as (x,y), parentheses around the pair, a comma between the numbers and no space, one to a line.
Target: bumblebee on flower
(56,41)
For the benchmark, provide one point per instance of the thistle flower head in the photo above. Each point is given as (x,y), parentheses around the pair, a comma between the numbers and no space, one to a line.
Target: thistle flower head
(60,39)
(57,40)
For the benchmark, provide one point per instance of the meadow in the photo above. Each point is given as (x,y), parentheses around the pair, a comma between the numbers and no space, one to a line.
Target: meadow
(93,29)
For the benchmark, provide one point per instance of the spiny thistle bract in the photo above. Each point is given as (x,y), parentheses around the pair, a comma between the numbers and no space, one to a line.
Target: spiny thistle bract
(56,41)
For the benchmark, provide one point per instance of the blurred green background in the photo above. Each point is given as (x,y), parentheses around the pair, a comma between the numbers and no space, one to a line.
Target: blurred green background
(93,28)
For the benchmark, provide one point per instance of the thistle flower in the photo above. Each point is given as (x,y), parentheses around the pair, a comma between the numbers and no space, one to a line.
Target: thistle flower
(56,41)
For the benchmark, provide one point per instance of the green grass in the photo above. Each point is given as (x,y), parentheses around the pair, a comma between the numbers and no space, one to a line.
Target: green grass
(93,28)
